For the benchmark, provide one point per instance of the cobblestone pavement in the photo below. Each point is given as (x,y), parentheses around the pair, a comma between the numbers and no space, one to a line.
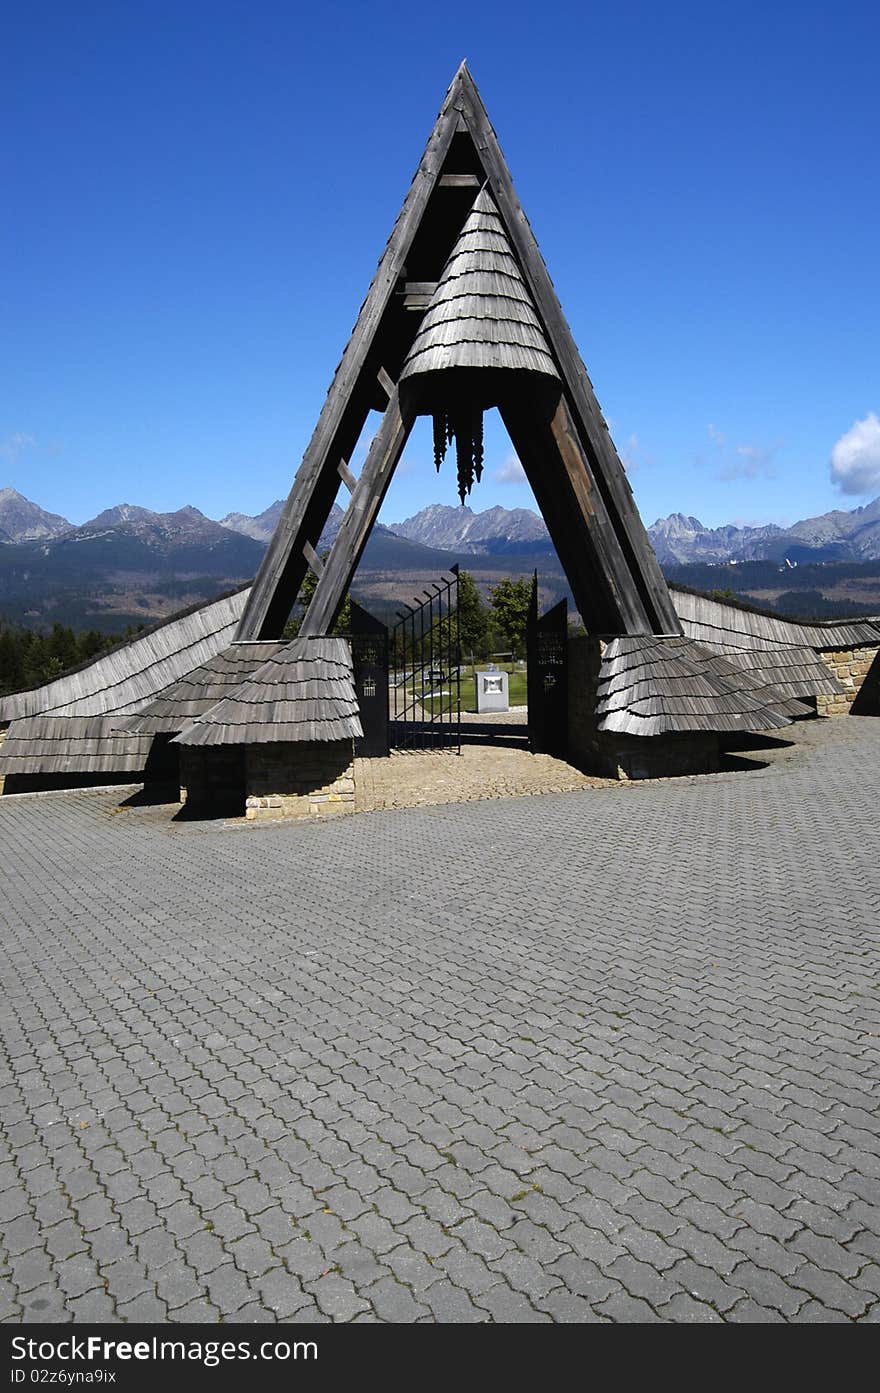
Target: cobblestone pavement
(418,778)
(608,1055)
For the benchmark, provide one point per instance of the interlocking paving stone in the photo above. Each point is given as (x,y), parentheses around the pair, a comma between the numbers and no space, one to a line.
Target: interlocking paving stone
(607,1055)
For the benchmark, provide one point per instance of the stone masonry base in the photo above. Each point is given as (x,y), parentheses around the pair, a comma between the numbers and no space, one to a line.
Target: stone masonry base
(859,671)
(212,777)
(299,780)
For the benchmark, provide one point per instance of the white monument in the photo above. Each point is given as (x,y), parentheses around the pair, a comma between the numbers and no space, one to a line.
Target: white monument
(492,691)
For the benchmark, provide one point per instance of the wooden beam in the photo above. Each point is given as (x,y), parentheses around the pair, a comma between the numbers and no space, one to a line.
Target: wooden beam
(557,468)
(360,515)
(609,474)
(347,404)
(314,560)
(460,181)
(346,476)
(416,295)
(385,382)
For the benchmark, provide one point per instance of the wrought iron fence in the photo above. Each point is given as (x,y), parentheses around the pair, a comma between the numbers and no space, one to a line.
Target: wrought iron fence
(425,670)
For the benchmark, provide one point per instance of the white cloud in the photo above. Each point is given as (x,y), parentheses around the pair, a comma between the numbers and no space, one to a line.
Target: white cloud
(631,454)
(746,461)
(750,462)
(855,459)
(511,472)
(13,445)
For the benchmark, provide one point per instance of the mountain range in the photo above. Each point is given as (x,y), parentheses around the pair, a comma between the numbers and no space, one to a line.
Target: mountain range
(461,529)
(678,539)
(130,564)
(836,536)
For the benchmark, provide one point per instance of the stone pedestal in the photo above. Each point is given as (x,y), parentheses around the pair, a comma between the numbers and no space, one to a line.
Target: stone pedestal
(492,691)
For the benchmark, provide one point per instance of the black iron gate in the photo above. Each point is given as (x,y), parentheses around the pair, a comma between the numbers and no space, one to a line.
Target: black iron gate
(425,671)
(368,637)
(547,680)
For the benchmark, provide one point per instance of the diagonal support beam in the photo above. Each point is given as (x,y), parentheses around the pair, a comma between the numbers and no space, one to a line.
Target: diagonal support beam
(345,474)
(314,560)
(360,515)
(546,439)
(348,402)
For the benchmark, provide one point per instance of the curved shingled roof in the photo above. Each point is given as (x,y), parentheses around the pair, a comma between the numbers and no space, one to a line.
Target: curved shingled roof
(178,704)
(304,692)
(481,314)
(661,686)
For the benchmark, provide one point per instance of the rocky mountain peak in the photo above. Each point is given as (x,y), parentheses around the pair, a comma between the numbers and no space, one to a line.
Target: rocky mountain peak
(23,521)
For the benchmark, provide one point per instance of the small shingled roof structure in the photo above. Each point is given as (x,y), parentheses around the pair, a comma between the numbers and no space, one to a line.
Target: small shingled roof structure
(53,745)
(660,686)
(304,692)
(178,704)
(481,314)
(73,725)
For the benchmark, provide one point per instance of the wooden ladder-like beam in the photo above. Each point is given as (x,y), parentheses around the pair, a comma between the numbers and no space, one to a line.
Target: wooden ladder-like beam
(360,515)
(348,401)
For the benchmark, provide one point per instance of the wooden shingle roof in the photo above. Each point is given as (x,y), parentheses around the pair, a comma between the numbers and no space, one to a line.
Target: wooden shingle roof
(796,672)
(128,676)
(481,314)
(71,745)
(731,627)
(192,695)
(305,691)
(659,686)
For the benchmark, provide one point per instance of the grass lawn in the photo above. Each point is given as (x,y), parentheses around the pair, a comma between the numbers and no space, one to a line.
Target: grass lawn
(516,688)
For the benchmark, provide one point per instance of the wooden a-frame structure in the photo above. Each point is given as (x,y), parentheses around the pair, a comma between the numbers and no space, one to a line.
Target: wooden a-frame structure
(556,426)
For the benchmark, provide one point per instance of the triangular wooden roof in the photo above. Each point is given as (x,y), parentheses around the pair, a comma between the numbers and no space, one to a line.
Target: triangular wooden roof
(563,443)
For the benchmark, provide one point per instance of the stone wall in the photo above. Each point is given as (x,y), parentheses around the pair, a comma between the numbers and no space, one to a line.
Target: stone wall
(212,777)
(301,779)
(664,756)
(859,671)
(624,756)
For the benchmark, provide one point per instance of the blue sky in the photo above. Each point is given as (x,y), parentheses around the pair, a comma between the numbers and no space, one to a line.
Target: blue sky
(197,195)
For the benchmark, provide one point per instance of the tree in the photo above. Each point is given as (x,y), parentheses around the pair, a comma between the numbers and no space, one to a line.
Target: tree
(510,601)
(473,621)
(29,658)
